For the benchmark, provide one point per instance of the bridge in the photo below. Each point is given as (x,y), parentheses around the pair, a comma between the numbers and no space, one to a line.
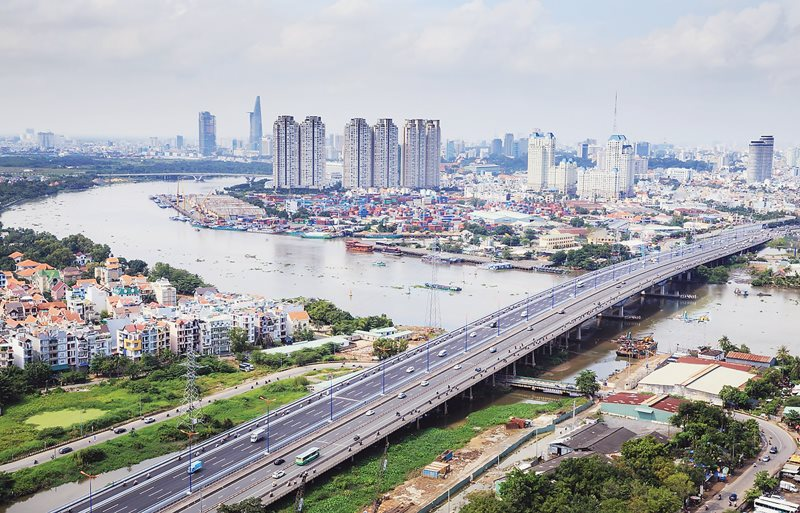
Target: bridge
(372,404)
(185,174)
(540,385)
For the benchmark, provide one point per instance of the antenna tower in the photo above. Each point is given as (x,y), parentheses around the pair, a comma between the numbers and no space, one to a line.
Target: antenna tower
(434,316)
(614,129)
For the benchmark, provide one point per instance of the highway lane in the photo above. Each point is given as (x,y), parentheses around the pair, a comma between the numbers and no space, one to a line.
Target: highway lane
(314,412)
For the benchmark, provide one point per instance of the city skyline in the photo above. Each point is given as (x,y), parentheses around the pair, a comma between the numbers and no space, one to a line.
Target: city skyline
(731,51)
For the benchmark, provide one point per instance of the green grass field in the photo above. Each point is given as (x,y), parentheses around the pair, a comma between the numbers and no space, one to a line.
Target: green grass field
(152,441)
(64,418)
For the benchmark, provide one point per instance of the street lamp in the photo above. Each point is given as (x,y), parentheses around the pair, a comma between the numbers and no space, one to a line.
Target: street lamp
(190,434)
(91,478)
(330,393)
(428,356)
(267,401)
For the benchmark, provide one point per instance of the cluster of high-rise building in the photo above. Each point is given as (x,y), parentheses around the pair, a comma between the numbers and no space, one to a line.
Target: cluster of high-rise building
(298,153)
(543,172)
(373,158)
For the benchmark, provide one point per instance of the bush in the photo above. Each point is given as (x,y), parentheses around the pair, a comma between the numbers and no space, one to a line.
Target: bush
(89,455)
(51,433)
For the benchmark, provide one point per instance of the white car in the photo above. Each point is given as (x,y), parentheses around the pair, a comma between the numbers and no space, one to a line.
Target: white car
(473,334)
(278,474)
(457,367)
(149,420)
(401,395)
(370,413)
(493,350)
(579,285)
(424,383)
(442,353)
(410,370)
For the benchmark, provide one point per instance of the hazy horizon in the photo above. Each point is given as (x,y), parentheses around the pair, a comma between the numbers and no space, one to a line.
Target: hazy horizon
(693,73)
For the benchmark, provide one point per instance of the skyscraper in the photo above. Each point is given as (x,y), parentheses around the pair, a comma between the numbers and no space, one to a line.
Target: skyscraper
(285,153)
(583,150)
(178,142)
(256,132)
(208,133)
(46,140)
(412,174)
(385,165)
(508,145)
(759,163)
(496,147)
(312,152)
(643,149)
(357,154)
(433,153)
(541,158)
(619,157)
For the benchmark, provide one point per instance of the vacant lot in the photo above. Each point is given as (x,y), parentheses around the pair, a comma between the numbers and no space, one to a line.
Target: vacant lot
(64,418)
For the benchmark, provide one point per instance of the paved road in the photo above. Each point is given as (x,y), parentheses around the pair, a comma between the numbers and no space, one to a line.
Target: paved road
(331,421)
(108,434)
(772,436)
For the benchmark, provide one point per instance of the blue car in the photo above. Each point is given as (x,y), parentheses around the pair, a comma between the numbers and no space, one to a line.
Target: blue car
(195,467)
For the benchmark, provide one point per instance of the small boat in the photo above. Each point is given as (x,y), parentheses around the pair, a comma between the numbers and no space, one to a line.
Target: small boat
(763,294)
(740,292)
(439,286)
(379,264)
(249,256)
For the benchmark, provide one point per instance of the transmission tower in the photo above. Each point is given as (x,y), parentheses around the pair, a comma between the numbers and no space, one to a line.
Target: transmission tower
(191,394)
(379,482)
(298,499)
(434,314)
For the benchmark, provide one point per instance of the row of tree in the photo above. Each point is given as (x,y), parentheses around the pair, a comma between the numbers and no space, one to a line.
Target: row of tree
(324,313)
(591,256)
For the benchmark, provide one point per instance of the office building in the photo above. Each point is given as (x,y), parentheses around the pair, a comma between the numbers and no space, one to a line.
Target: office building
(178,142)
(759,162)
(450,151)
(508,145)
(207,125)
(385,158)
(46,140)
(312,152)
(496,148)
(256,131)
(285,153)
(582,150)
(643,149)
(541,158)
(357,154)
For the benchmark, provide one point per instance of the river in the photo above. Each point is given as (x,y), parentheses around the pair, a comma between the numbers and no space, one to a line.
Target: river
(123,217)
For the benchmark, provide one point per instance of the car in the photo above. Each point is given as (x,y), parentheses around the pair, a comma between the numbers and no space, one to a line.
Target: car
(530,328)
(356,438)
(410,370)
(579,285)
(492,349)
(773,450)
(765,458)
(65,450)
(279,461)
(120,430)
(561,312)
(424,383)
(442,353)
(733,497)
(196,466)
(473,334)
(401,395)
(149,420)
(478,369)
(457,367)
(278,474)
(619,286)
(370,413)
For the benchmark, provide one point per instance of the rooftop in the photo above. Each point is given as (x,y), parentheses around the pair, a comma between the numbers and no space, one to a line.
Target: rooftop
(749,357)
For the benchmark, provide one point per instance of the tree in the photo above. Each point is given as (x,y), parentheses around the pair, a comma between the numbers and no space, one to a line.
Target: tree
(38,374)
(6,486)
(587,383)
(136,267)
(792,418)
(482,502)
(303,334)
(251,505)
(764,482)
(733,397)
(385,347)
(13,385)
(239,339)
(680,484)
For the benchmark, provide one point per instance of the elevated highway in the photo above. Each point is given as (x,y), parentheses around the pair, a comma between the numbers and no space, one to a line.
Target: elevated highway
(372,404)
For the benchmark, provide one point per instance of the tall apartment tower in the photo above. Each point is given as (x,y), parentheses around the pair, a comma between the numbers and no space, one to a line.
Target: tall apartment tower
(433,153)
(385,162)
(285,153)
(312,152)
(619,157)
(508,145)
(759,164)
(357,154)
(541,158)
(207,125)
(256,131)
(413,154)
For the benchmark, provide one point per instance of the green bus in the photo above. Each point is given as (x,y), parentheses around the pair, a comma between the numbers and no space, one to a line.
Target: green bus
(307,456)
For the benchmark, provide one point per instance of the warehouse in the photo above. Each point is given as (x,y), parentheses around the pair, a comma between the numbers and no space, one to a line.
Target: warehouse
(694,381)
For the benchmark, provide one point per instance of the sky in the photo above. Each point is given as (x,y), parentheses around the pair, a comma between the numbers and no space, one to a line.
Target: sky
(690,72)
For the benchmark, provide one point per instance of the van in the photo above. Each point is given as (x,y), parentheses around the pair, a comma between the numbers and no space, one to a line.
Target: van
(789,487)
(196,466)
(246,367)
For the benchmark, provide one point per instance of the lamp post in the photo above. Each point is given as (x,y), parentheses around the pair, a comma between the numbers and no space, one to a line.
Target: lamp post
(330,393)
(267,401)
(428,356)
(466,329)
(190,434)
(383,378)
(91,478)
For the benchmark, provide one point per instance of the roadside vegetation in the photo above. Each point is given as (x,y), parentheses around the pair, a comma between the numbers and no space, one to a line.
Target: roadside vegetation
(782,279)
(149,442)
(591,256)
(324,313)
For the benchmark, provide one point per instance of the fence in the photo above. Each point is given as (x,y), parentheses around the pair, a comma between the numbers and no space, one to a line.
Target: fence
(458,486)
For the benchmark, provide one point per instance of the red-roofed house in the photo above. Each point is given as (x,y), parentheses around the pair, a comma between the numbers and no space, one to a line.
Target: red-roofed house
(651,407)
(16,257)
(298,320)
(753,360)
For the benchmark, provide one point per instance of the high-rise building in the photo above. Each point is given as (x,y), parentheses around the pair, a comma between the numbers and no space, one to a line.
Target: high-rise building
(178,142)
(385,161)
(357,154)
(508,145)
(541,158)
(450,150)
(619,156)
(433,153)
(312,152)
(643,149)
(46,140)
(256,131)
(793,157)
(598,183)
(563,177)
(285,153)
(208,133)
(496,148)
(421,154)
(759,163)
(582,150)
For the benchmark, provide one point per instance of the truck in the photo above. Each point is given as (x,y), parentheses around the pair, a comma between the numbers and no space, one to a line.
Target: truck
(789,487)
(257,435)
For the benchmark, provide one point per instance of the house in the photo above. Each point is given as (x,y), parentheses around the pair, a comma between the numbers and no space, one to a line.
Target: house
(82,259)
(754,360)
(71,274)
(24,265)
(596,438)
(58,291)
(711,354)
(298,320)
(3,280)
(16,257)
(650,407)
